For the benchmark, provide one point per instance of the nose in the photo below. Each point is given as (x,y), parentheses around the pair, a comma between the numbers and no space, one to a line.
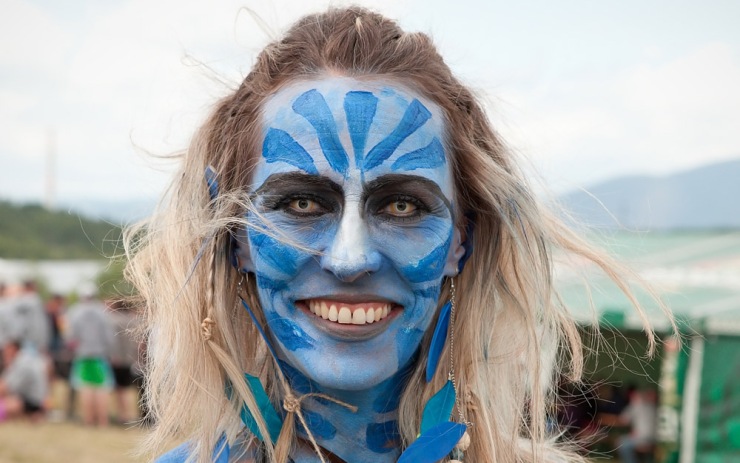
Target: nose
(351,253)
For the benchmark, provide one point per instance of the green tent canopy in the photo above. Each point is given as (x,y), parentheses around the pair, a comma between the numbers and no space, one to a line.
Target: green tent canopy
(697,275)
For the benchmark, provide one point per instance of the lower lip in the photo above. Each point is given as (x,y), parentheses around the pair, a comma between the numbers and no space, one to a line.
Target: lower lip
(349,331)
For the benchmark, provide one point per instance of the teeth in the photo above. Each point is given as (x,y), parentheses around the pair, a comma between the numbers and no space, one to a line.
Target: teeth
(358,317)
(345,316)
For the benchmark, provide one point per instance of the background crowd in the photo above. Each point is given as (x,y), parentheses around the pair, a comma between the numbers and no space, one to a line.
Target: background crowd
(68,358)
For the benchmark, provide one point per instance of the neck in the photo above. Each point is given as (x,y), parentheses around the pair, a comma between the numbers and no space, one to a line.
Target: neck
(368,435)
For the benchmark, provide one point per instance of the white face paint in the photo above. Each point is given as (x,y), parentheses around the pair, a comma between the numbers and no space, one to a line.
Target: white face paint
(356,171)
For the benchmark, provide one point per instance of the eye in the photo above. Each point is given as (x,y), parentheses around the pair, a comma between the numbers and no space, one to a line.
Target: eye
(400,208)
(304,206)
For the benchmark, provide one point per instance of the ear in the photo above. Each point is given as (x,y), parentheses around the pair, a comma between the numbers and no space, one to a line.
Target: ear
(241,258)
(462,247)
(455,254)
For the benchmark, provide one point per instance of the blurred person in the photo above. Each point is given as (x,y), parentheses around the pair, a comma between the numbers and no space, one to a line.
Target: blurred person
(124,360)
(641,415)
(90,337)
(24,383)
(5,317)
(29,321)
(55,313)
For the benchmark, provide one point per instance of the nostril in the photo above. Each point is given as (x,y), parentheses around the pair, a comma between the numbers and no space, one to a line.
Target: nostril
(351,267)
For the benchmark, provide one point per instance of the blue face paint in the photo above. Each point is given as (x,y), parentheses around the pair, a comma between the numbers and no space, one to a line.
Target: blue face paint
(383,437)
(430,266)
(414,117)
(370,233)
(429,157)
(273,252)
(313,107)
(320,427)
(360,108)
(279,146)
(291,336)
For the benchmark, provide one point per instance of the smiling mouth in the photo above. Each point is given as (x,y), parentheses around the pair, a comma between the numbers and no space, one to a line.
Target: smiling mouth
(345,313)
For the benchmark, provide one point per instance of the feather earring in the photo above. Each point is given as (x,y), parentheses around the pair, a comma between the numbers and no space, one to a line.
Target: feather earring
(438,436)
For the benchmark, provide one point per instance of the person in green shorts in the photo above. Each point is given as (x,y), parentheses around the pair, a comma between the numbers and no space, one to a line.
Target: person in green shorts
(90,336)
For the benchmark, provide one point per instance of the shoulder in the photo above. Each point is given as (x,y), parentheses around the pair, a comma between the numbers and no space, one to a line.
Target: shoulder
(222,453)
(179,454)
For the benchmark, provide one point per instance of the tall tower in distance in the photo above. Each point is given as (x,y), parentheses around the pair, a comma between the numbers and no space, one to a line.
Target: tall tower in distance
(51,170)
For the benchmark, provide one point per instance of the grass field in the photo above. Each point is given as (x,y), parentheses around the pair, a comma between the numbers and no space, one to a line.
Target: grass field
(25,442)
(22,441)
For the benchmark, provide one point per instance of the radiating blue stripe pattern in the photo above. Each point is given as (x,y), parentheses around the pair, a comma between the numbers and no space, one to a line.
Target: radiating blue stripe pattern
(429,157)
(360,110)
(312,106)
(279,146)
(414,117)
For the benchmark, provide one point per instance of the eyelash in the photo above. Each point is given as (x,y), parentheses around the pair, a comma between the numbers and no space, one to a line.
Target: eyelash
(421,208)
(284,205)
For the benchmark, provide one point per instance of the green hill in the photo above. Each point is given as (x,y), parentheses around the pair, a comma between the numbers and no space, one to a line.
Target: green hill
(32,232)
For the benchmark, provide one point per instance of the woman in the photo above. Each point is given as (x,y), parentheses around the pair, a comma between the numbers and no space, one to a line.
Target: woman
(349,236)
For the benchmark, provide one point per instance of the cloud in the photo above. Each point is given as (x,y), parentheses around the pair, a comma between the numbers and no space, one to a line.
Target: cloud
(116,76)
(657,116)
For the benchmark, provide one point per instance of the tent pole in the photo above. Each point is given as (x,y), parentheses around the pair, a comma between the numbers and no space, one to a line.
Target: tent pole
(690,408)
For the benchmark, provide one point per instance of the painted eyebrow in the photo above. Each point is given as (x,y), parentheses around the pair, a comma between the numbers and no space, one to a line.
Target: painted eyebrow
(394,180)
(292,179)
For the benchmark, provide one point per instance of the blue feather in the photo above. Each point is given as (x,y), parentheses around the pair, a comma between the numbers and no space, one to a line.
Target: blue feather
(222,451)
(434,444)
(438,340)
(259,329)
(212,182)
(439,408)
(272,420)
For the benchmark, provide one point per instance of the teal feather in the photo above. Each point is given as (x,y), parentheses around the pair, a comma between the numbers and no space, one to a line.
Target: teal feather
(438,340)
(273,421)
(435,444)
(439,408)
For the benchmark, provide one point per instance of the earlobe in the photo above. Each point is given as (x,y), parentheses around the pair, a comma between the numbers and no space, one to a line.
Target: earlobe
(241,258)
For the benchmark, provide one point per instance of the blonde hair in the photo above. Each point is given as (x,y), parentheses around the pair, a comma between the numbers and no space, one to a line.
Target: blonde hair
(512,336)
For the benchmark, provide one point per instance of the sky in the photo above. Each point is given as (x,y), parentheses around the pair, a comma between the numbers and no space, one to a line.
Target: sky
(582,91)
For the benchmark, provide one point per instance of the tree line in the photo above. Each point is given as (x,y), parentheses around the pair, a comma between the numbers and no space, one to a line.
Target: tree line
(29,231)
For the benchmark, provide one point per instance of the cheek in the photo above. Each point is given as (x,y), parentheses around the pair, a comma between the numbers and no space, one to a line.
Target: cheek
(419,254)
(272,257)
(281,258)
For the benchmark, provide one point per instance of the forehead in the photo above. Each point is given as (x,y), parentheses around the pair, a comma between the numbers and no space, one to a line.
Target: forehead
(337,126)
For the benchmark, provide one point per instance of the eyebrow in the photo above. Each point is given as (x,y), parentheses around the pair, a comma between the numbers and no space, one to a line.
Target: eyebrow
(405,180)
(286,180)
(292,179)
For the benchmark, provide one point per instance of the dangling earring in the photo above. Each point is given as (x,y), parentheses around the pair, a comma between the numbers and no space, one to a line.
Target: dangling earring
(456,455)
(438,436)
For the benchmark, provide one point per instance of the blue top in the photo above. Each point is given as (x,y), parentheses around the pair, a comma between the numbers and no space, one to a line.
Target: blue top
(181,453)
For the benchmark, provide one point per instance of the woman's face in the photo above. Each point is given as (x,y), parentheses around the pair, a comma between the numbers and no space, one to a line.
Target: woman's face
(355,183)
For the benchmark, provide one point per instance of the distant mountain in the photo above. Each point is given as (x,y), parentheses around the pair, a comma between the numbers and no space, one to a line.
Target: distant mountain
(31,232)
(705,197)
